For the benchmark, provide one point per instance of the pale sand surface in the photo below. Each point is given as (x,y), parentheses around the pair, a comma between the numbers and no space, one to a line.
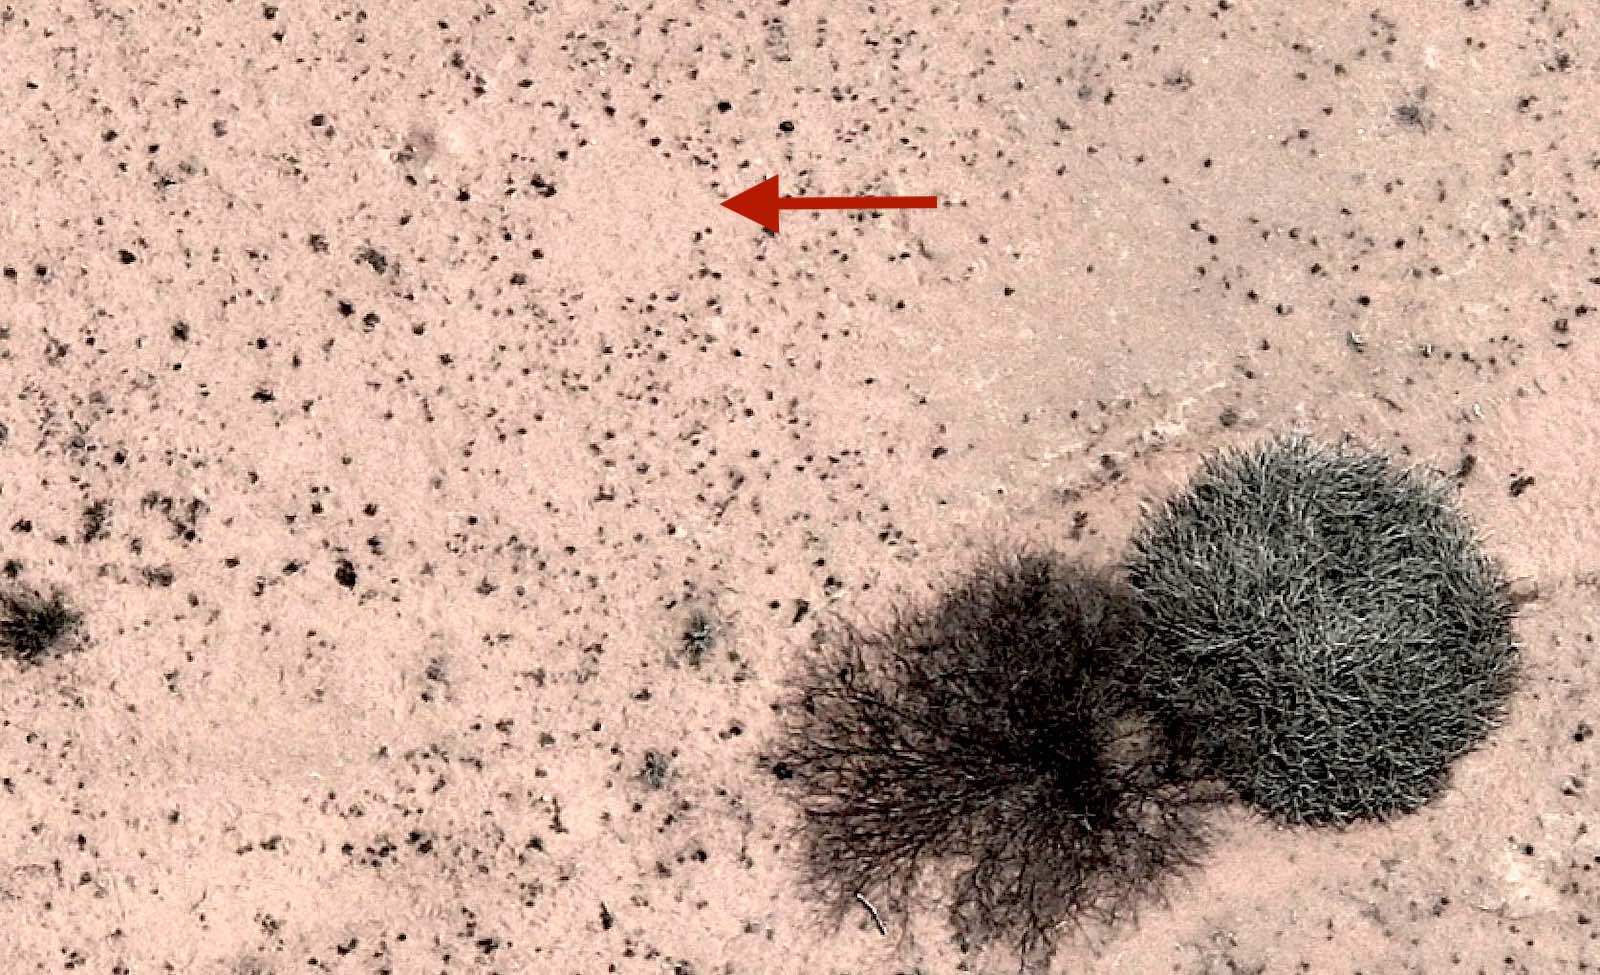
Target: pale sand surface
(443,292)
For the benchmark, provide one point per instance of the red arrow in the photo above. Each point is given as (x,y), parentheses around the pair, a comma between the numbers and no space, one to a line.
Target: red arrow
(762,203)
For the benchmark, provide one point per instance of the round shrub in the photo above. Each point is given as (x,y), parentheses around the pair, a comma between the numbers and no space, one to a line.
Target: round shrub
(33,627)
(1319,629)
(987,733)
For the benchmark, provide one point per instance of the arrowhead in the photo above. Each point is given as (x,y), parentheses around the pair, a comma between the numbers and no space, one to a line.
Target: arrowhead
(758,203)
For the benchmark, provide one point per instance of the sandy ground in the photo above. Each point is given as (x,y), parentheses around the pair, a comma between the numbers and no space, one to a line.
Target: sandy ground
(389,391)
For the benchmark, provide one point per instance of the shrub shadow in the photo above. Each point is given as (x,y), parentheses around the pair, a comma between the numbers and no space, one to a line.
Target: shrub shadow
(989,734)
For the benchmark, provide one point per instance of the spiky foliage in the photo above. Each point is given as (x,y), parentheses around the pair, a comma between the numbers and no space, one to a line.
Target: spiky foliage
(986,732)
(1320,628)
(32,627)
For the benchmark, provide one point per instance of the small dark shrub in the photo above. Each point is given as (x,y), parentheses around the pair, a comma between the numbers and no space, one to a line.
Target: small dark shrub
(32,627)
(656,769)
(699,635)
(986,733)
(1320,629)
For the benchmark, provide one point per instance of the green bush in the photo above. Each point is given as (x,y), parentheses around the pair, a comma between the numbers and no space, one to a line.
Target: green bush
(1319,629)
(986,732)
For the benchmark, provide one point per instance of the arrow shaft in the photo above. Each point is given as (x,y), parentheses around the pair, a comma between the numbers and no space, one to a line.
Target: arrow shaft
(858,202)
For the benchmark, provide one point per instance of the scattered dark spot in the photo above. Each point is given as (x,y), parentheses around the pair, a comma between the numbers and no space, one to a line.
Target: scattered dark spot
(374,259)
(1413,116)
(182,516)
